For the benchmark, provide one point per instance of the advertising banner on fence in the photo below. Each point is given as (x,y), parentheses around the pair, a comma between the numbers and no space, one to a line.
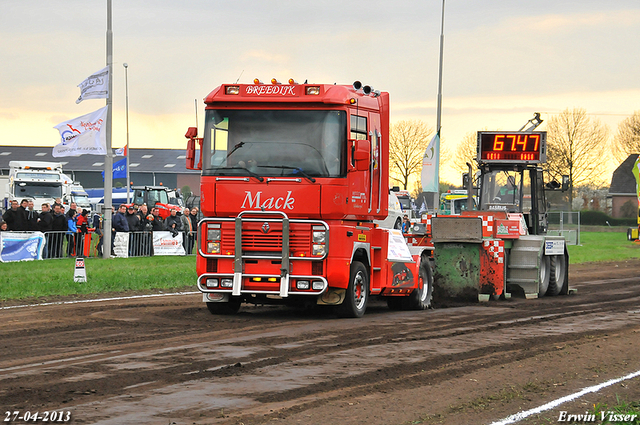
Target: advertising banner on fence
(17,246)
(121,245)
(165,244)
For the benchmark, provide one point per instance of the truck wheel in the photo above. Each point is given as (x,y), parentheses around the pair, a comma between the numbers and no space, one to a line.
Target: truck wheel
(355,301)
(557,271)
(398,224)
(545,275)
(420,298)
(225,308)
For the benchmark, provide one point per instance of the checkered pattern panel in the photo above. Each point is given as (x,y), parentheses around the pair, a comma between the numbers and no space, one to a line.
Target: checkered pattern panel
(495,248)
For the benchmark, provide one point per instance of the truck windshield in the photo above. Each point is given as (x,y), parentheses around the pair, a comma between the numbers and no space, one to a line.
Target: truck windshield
(274,143)
(38,190)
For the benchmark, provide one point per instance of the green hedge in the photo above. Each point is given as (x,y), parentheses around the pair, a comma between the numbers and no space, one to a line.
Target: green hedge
(598,218)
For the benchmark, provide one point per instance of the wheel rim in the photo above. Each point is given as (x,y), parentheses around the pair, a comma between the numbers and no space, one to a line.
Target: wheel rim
(544,271)
(359,295)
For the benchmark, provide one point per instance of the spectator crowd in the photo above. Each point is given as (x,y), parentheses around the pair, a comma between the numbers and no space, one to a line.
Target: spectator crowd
(73,225)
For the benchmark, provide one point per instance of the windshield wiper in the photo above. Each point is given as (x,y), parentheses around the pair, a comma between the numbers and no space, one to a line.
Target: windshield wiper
(235,148)
(251,173)
(296,170)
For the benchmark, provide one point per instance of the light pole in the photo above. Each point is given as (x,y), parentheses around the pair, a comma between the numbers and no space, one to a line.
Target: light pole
(126,89)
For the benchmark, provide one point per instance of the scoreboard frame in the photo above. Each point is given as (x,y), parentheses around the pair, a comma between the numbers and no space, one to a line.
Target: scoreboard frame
(512,147)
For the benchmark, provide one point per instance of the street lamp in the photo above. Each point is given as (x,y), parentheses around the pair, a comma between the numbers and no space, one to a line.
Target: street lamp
(126,89)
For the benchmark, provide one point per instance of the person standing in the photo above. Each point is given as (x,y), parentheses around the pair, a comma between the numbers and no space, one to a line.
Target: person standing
(120,224)
(134,226)
(32,217)
(15,218)
(186,229)
(45,225)
(58,228)
(173,223)
(72,234)
(157,224)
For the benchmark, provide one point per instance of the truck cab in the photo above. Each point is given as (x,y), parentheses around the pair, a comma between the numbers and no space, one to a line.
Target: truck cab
(293,177)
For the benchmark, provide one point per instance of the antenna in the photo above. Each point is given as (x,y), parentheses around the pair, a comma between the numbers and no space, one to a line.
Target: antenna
(195,101)
(239,76)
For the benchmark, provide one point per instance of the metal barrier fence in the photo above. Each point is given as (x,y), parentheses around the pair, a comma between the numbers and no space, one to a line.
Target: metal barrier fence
(62,244)
(565,223)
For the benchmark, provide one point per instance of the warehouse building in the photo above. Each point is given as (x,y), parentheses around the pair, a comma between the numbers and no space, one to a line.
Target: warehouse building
(146,166)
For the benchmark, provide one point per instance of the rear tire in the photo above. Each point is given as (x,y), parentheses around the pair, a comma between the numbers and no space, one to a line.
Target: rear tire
(545,275)
(355,301)
(557,283)
(224,308)
(420,298)
(398,224)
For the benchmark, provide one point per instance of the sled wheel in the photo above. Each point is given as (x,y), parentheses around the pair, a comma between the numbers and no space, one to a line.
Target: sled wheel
(224,308)
(355,302)
(557,270)
(545,275)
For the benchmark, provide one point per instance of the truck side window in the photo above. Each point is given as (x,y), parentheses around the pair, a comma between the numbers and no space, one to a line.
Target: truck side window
(358,127)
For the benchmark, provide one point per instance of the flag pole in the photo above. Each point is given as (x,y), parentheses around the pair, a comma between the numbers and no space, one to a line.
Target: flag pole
(108,163)
(126,151)
(439,113)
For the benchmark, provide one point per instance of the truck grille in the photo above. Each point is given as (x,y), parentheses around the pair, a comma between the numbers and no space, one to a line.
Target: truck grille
(255,240)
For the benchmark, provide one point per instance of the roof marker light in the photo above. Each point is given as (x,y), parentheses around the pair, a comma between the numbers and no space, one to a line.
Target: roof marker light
(257,81)
(351,101)
(292,81)
(275,81)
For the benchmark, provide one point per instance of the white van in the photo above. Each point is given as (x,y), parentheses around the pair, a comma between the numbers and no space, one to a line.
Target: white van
(394,219)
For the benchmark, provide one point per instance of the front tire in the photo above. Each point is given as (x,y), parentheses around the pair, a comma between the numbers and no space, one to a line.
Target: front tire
(355,302)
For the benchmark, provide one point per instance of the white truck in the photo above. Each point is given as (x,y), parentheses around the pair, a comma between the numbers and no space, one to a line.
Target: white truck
(41,181)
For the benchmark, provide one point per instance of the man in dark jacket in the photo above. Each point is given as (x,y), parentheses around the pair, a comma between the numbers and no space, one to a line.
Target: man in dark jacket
(32,217)
(59,228)
(157,223)
(173,223)
(15,217)
(119,223)
(45,225)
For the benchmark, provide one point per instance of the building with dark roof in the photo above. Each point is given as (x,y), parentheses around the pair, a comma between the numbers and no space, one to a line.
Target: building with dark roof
(146,166)
(623,186)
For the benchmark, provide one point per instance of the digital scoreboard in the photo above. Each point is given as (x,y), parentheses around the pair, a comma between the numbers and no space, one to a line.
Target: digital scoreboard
(512,146)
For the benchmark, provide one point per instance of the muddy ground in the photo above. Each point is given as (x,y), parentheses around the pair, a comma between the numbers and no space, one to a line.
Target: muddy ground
(167,360)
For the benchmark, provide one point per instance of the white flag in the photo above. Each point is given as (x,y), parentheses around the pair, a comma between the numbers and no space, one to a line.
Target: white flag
(429,177)
(83,135)
(96,86)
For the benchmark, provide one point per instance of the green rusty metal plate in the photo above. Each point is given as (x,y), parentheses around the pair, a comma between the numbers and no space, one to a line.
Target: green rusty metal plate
(457,270)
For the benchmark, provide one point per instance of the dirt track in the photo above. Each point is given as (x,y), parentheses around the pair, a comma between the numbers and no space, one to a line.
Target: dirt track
(167,360)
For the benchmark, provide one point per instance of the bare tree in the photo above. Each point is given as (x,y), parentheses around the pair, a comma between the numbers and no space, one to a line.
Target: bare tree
(627,141)
(577,147)
(467,151)
(407,143)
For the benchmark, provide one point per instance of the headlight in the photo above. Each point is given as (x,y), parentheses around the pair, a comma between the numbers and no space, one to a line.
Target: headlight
(213,234)
(212,283)
(226,283)
(302,284)
(317,285)
(319,237)
(213,247)
(318,250)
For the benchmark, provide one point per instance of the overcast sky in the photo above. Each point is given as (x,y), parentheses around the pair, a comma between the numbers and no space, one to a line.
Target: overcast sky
(503,59)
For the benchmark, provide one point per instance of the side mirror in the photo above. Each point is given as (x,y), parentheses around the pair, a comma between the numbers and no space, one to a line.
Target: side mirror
(395,189)
(465,180)
(565,183)
(192,135)
(361,155)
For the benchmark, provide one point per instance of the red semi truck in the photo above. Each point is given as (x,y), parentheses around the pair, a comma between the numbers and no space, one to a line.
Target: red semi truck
(293,176)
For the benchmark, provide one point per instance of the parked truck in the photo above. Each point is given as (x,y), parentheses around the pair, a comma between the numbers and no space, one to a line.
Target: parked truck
(293,177)
(41,181)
